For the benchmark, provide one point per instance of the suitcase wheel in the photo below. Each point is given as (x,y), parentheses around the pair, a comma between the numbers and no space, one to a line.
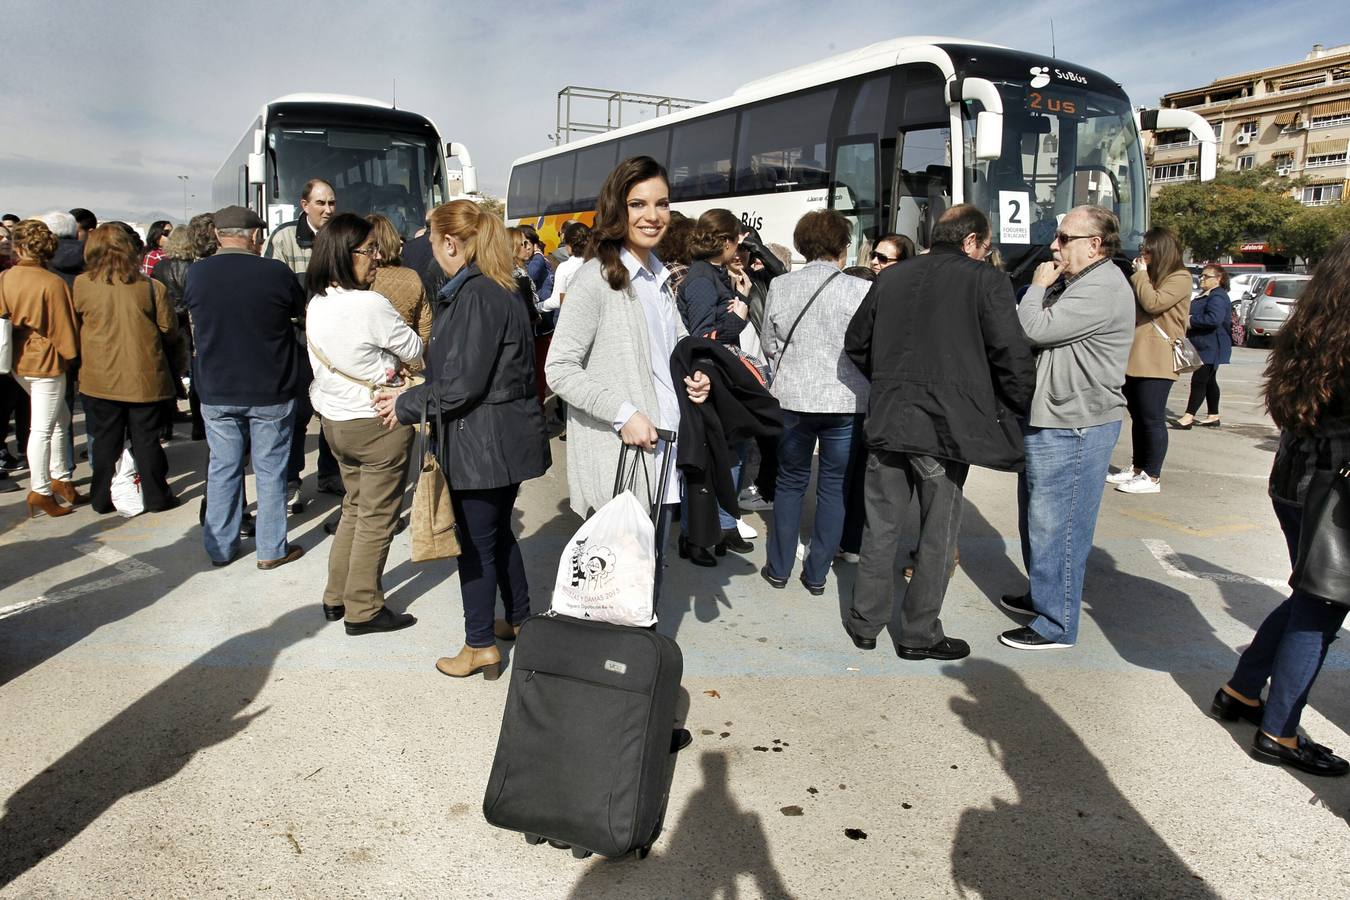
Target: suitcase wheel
(643,852)
(533,839)
(579,853)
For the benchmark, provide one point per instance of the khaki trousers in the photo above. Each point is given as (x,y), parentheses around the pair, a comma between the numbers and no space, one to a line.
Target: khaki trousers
(374,465)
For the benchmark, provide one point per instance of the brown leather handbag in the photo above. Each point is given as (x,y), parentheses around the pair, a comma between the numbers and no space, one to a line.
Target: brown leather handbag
(434,532)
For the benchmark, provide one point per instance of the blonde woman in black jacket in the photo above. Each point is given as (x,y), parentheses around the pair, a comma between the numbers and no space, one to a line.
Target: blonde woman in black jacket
(480,380)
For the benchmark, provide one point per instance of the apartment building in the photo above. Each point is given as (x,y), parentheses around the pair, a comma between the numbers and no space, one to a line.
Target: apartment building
(1296,116)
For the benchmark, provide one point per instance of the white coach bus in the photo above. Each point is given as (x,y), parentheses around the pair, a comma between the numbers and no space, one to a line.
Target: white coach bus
(890,135)
(377,158)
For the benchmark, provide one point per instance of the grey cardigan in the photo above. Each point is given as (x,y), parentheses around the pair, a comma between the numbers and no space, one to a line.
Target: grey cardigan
(598,359)
(814,375)
(1083,338)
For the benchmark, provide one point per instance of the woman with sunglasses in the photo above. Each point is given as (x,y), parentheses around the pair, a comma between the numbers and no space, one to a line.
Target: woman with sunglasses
(357,341)
(1210,332)
(1162,287)
(889,250)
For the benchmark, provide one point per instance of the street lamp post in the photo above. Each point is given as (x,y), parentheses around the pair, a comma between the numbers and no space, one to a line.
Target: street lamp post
(184,180)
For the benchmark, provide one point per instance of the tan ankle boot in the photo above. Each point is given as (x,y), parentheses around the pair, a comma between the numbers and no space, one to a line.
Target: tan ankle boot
(42,503)
(66,491)
(504,630)
(471,661)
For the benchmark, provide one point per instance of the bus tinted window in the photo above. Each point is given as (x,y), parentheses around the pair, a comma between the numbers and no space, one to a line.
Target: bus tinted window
(522,197)
(648,143)
(555,191)
(869,109)
(700,157)
(593,166)
(784,143)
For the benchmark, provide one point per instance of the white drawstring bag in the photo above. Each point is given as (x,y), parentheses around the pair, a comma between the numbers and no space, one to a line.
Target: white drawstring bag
(607,571)
(126,486)
(6,345)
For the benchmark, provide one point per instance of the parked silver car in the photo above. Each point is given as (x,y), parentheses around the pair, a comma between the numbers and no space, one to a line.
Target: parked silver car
(1271,305)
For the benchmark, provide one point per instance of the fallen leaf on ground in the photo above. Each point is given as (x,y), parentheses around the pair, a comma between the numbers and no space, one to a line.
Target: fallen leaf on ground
(713,694)
(791,810)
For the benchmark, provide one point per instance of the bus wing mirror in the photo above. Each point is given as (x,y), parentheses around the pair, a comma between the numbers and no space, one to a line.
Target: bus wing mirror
(257,168)
(989,123)
(1196,124)
(468,174)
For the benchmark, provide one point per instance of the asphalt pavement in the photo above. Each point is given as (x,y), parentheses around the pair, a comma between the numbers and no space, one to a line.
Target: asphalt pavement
(168,729)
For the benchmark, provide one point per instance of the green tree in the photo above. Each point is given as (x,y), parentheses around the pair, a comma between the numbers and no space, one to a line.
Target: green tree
(492,205)
(1312,230)
(1213,218)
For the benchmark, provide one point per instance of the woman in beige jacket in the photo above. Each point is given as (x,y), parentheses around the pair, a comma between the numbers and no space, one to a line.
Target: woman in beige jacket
(1162,291)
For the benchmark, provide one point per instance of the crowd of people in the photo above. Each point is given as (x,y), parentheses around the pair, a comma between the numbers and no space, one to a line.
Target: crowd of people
(892,379)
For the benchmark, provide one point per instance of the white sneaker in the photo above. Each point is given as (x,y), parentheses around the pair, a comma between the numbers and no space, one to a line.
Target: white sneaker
(803,548)
(847,557)
(1141,485)
(745,531)
(1123,476)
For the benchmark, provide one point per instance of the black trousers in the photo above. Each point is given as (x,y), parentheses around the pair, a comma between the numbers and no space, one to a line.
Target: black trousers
(1204,386)
(490,561)
(113,423)
(14,404)
(1146,399)
(328,465)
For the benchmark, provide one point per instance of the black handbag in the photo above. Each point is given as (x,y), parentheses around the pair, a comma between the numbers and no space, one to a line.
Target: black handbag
(1323,565)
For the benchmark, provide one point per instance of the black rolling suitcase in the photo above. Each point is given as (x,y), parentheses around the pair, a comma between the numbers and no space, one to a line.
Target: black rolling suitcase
(586,755)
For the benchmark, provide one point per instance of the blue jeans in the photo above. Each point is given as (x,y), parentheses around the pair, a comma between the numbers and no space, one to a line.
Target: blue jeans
(1058,495)
(840,436)
(229,430)
(1289,647)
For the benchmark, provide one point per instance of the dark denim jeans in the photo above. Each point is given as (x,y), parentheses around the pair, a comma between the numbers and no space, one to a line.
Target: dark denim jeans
(1146,399)
(1289,647)
(1058,495)
(490,561)
(840,436)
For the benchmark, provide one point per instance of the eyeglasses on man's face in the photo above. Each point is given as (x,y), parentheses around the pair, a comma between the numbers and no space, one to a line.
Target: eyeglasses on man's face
(1064,238)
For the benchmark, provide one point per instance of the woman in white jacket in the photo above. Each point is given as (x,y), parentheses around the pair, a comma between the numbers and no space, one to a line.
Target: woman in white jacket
(357,342)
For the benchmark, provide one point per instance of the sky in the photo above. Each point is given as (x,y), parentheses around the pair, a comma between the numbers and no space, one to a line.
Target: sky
(107,102)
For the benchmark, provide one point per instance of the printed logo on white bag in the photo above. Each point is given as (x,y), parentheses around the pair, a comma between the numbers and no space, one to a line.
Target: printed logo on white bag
(593,566)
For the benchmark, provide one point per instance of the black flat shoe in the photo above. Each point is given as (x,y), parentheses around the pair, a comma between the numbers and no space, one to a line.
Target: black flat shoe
(732,540)
(1307,757)
(248,527)
(385,620)
(947,648)
(778,583)
(862,643)
(815,590)
(1018,604)
(699,556)
(1226,707)
(1212,423)
(333,613)
(1176,423)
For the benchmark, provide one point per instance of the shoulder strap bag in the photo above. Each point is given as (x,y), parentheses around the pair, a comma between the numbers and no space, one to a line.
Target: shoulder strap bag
(435,535)
(1185,358)
(370,386)
(793,330)
(1322,568)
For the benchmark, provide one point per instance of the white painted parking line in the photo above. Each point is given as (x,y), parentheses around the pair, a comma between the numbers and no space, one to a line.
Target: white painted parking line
(128,569)
(1176,567)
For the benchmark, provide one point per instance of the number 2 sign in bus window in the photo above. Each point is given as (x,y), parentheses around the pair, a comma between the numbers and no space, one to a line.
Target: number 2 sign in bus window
(1055,103)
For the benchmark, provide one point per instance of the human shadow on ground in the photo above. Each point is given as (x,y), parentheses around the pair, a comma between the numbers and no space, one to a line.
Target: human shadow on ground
(1155,626)
(150,741)
(1069,832)
(715,844)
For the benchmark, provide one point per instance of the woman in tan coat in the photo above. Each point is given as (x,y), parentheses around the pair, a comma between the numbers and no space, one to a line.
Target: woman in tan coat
(1162,291)
(132,347)
(46,344)
(401,286)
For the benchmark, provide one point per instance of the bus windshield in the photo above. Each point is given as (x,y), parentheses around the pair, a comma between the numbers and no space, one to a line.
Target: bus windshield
(371,171)
(1062,147)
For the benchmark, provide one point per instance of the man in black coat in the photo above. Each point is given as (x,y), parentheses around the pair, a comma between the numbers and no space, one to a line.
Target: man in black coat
(951,372)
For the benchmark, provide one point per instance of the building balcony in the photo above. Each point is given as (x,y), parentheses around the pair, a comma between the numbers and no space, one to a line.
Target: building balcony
(1177,145)
(1173,179)
(1325,164)
(1331,202)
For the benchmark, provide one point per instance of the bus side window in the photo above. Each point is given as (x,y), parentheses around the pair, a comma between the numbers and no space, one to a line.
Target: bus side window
(923,189)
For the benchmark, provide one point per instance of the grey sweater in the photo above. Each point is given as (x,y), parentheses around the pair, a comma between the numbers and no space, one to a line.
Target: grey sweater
(1082,336)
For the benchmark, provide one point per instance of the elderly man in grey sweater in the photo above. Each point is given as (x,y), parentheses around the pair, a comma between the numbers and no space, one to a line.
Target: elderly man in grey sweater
(1079,315)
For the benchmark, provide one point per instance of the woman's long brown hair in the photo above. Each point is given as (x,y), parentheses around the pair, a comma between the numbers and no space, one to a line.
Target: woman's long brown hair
(1306,371)
(1164,255)
(611,215)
